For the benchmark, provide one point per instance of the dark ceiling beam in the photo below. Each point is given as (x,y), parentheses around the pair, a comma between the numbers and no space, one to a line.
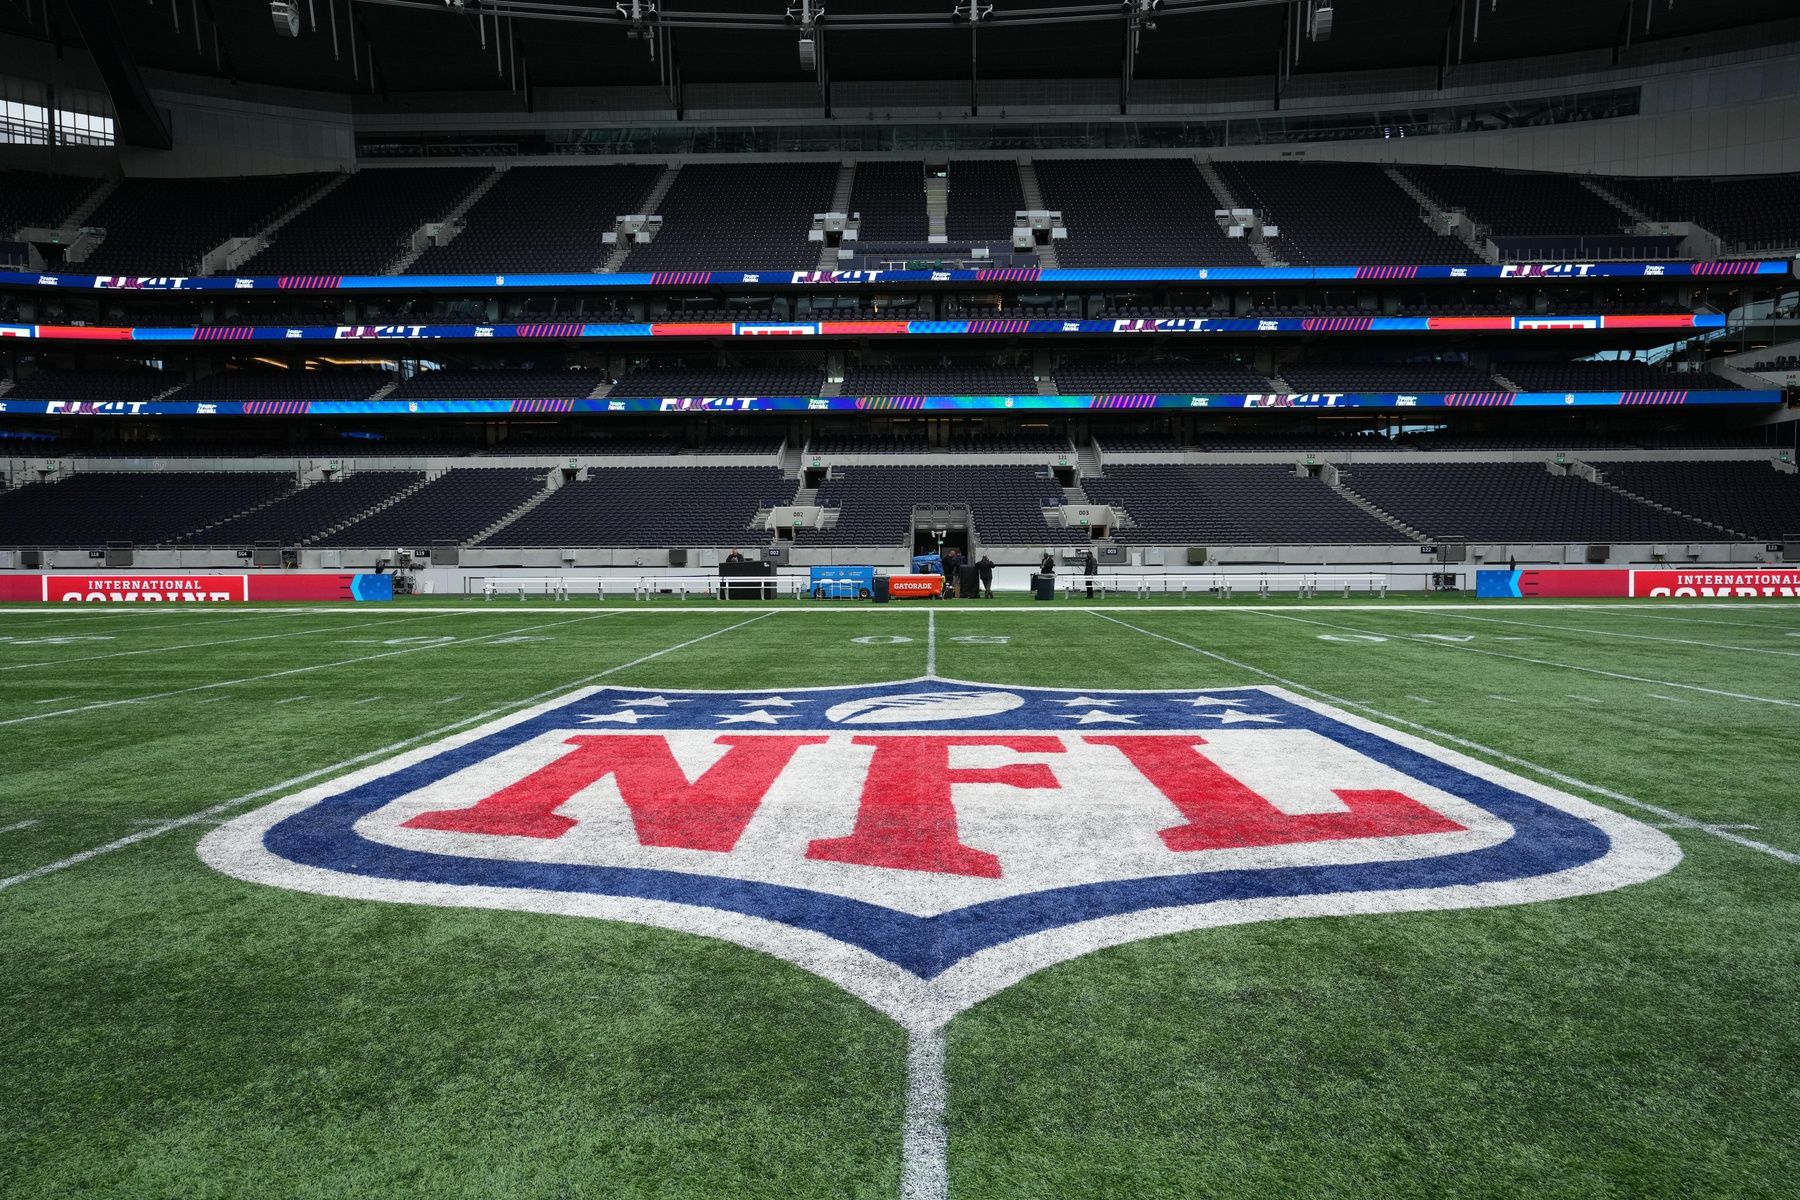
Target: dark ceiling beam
(138,123)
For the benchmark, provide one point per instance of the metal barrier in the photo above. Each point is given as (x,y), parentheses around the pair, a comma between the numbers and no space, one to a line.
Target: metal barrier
(1303,584)
(638,587)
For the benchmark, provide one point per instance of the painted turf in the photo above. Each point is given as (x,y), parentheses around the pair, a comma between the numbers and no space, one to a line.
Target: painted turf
(924,1175)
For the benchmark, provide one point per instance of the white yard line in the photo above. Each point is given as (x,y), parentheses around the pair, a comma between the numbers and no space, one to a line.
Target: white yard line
(356,760)
(924,1153)
(261,637)
(1723,832)
(931,643)
(1538,662)
(1617,633)
(342,662)
(1766,627)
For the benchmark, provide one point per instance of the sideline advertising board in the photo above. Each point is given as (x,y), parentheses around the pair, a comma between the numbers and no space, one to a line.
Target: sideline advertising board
(915,587)
(189,587)
(1658,584)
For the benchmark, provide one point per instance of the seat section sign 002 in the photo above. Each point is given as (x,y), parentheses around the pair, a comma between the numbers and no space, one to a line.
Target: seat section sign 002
(192,588)
(1665,583)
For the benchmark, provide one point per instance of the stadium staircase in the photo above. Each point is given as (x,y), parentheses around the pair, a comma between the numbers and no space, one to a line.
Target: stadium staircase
(1224,199)
(1464,230)
(1087,461)
(1506,383)
(553,480)
(229,255)
(793,454)
(381,393)
(1334,479)
(652,200)
(840,203)
(1614,199)
(366,513)
(87,208)
(244,512)
(1595,476)
(448,226)
(77,245)
(937,209)
(1034,202)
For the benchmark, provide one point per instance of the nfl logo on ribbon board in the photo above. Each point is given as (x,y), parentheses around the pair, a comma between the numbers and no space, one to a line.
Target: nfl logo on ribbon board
(925,844)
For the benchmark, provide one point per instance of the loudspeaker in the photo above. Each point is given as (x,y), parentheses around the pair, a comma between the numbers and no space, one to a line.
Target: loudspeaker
(31,560)
(1790,547)
(445,556)
(1453,552)
(1197,556)
(265,556)
(1599,552)
(678,556)
(117,557)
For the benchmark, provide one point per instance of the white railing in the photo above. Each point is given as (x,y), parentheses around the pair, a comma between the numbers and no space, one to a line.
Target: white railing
(1303,584)
(638,587)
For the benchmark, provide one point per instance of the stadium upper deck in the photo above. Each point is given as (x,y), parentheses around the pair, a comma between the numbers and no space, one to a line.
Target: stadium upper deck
(760,217)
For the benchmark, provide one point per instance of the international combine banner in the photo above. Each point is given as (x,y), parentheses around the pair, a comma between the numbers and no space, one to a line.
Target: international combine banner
(1660,584)
(191,588)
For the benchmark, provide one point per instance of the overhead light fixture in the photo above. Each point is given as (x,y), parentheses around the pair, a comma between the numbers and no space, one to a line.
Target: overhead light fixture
(807,17)
(286,18)
(1319,21)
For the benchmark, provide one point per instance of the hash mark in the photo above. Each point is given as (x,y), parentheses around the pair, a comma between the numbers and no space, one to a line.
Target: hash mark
(16,826)
(449,699)
(1421,700)
(53,700)
(1503,699)
(1670,699)
(292,699)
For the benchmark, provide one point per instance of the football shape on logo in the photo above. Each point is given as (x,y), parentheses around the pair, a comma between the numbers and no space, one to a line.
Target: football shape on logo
(922,706)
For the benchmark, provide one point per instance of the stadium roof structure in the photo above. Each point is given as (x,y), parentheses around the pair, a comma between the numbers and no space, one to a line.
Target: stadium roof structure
(380,48)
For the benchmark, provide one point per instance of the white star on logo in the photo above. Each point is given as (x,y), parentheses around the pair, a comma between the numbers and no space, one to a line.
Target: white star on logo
(624,716)
(1210,701)
(1095,717)
(1238,718)
(652,702)
(1087,700)
(773,702)
(759,717)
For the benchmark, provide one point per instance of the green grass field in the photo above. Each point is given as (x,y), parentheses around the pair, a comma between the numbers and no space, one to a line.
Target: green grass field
(169,1031)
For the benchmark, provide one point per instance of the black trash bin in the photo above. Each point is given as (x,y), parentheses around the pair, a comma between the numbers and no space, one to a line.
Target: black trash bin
(881,594)
(1043,587)
(968,581)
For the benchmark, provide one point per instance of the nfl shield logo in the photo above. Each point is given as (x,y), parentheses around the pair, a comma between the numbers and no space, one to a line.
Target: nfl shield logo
(925,844)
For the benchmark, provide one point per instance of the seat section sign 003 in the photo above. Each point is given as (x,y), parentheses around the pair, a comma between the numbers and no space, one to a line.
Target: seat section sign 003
(192,588)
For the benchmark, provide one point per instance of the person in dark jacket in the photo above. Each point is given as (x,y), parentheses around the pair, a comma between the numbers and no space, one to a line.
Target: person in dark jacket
(984,570)
(952,560)
(1090,566)
(1048,565)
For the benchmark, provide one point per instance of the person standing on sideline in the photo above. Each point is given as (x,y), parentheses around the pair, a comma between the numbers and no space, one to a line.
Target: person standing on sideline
(1048,565)
(984,570)
(736,556)
(1090,567)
